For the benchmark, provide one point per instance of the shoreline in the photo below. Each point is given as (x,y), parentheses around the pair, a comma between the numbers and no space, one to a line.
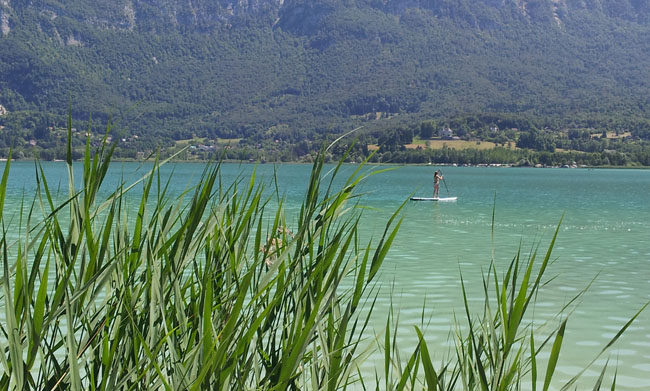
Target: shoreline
(230,161)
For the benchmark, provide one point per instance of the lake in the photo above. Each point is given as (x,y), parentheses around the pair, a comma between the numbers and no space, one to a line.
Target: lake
(604,235)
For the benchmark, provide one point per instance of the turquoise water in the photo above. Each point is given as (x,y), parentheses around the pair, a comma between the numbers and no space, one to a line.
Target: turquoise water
(605,235)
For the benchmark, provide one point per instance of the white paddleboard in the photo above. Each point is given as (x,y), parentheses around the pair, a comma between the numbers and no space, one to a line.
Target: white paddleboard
(434,198)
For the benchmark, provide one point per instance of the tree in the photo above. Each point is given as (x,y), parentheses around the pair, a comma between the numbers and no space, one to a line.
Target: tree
(42,133)
(426,129)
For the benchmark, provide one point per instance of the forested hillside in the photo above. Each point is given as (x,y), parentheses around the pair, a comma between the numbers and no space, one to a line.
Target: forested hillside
(299,69)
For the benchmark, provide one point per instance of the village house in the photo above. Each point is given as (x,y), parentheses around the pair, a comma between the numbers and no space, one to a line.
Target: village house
(446,133)
(204,147)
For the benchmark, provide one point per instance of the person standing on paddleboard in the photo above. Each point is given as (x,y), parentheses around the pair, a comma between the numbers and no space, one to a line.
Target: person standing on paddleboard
(437,177)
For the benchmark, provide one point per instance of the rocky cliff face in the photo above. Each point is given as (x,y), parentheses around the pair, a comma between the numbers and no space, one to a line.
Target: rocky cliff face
(149,14)
(556,11)
(204,15)
(5,8)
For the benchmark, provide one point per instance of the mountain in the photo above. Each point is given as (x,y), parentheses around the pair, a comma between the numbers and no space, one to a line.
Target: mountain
(295,69)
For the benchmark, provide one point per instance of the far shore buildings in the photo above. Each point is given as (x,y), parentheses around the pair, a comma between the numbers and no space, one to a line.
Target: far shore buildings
(446,133)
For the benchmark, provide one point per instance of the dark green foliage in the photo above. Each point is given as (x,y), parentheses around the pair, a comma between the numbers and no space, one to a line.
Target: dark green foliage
(320,66)
(536,140)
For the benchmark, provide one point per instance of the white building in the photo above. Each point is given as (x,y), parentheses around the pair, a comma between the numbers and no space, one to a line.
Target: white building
(446,132)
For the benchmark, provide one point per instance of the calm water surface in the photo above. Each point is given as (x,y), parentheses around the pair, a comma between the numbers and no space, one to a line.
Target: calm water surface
(605,235)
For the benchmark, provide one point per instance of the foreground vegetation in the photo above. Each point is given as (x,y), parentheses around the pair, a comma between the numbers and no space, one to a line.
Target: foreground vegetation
(213,290)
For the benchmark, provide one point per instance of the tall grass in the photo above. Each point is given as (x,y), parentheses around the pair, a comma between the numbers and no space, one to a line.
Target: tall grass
(213,290)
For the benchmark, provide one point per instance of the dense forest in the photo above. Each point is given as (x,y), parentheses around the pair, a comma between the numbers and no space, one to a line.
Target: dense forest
(280,78)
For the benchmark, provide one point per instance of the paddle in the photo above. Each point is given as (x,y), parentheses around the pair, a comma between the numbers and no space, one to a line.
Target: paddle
(443,181)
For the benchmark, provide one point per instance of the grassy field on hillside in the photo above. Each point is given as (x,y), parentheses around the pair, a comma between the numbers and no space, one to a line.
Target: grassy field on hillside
(439,144)
(207,141)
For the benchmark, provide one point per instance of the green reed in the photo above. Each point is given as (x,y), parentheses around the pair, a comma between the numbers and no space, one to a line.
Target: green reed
(210,290)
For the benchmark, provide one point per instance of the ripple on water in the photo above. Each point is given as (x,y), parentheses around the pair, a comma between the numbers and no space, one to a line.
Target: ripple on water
(438,276)
(601,362)
(610,292)
(439,328)
(420,285)
(572,370)
(449,344)
(624,352)
(435,295)
(414,311)
(617,328)
(642,367)
(440,320)
(588,343)
(632,383)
